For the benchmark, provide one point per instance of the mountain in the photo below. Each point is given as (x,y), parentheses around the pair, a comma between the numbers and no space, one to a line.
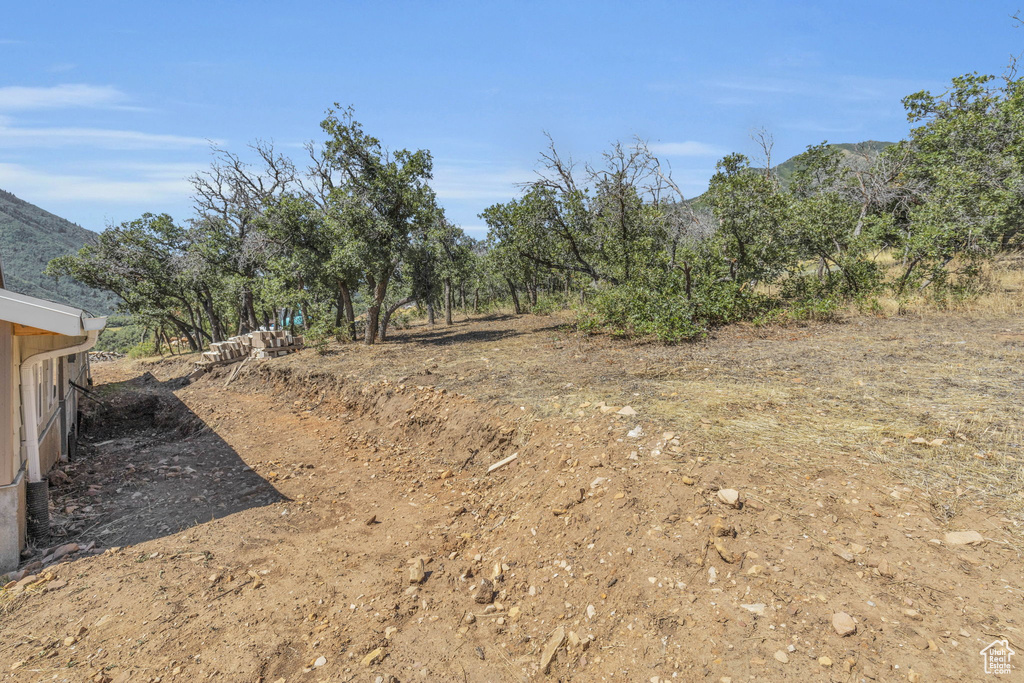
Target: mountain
(29,238)
(853,153)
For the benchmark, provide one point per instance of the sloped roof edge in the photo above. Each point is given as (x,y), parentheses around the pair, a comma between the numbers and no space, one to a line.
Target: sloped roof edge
(46,315)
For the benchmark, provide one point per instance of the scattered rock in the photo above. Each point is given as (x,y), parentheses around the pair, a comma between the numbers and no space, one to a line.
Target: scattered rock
(320,661)
(781,656)
(484,592)
(844,624)
(757,608)
(730,497)
(627,411)
(556,641)
(723,530)
(372,658)
(964,538)
(469,618)
(417,572)
(825,662)
(635,432)
(841,552)
(723,552)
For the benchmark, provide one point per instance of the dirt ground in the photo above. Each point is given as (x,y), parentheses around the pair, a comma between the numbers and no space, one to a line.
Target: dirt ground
(782,506)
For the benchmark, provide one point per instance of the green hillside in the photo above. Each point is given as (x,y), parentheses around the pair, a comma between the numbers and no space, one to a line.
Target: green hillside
(29,238)
(852,153)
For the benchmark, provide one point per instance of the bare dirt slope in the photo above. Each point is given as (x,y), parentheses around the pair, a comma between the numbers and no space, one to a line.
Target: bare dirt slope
(272,528)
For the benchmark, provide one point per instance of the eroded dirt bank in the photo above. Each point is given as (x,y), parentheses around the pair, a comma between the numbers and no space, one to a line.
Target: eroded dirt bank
(272,529)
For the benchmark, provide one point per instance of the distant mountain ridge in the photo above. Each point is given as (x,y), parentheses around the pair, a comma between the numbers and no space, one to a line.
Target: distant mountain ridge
(29,238)
(869,148)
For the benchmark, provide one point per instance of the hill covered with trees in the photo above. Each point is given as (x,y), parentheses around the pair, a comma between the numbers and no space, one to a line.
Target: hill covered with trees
(29,239)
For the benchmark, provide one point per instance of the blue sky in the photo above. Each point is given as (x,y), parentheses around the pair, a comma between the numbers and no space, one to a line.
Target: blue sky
(107,108)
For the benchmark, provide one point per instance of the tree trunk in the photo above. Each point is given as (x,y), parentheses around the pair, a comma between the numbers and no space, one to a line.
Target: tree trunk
(515,296)
(476,300)
(350,315)
(430,312)
(380,290)
(387,317)
(447,302)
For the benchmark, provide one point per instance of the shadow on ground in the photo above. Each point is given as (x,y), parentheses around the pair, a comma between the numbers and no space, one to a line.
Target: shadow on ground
(148,467)
(470,331)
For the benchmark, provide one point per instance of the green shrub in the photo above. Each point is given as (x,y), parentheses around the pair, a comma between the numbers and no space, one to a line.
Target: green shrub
(142,350)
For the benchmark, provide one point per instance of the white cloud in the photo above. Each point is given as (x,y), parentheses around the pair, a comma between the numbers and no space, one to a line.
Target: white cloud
(481,182)
(146,186)
(686,149)
(16,136)
(71,95)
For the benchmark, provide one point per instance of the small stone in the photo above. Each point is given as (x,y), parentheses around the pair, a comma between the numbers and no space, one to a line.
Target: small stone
(841,552)
(372,520)
(514,612)
(320,661)
(844,624)
(390,631)
(824,662)
(781,656)
(756,608)
(591,611)
(484,592)
(964,538)
(63,550)
(912,614)
(417,572)
(913,676)
(70,640)
(857,549)
(469,618)
(724,552)
(885,569)
(371,658)
(636,432)
(627,411)
(730,497)
(755,570)
(689,481)
(723,530)
(550,648)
